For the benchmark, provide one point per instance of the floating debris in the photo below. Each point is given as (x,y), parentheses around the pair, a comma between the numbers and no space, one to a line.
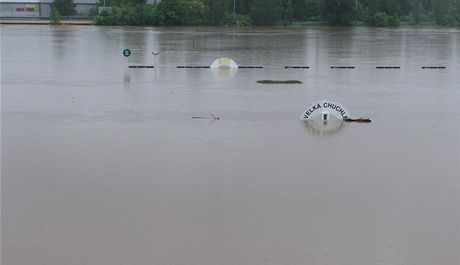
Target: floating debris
(213,117)
(276,82)
(362,119)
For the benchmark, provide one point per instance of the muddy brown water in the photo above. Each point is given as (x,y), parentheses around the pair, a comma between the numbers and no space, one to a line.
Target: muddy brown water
(102,164)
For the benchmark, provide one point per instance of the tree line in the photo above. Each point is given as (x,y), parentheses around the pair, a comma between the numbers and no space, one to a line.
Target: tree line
(275,12)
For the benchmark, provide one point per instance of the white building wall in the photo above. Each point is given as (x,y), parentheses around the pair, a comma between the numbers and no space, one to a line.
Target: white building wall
(42,8)
(19,9)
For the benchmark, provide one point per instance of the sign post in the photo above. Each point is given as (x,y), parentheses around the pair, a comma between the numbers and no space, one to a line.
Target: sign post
(126,52)
(155,54)
(155,65)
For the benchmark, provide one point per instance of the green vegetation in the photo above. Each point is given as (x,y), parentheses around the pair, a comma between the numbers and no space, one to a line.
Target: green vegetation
(288,13)
(381,13)
(276,82)
(338,12)
(382,20)
(236,20)
(64,7)
(55,17)
(217,10)
(180,12)
(265,12)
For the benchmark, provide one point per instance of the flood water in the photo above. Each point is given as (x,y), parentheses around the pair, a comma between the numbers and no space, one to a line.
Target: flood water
(102,164)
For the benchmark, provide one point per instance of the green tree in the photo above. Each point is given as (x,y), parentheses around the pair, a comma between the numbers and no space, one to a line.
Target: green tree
(417,10)
(55,17)
(217,10)
(313,8)
(440,8)
(243,6)
(172,12)
(447,12)
(299,7)
(120,2)
(372,7)
(338,12)
(265,12)
(287,12)
(236,20)
(427,5)
(64,7)
(195,13)
(392,7)
(382,20)
(406,6)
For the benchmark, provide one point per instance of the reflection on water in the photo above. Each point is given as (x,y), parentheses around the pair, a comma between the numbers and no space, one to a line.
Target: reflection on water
(223,73)
(329,128)
(126,79)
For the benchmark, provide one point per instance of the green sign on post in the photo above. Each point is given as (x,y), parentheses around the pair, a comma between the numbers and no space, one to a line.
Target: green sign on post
(126,52)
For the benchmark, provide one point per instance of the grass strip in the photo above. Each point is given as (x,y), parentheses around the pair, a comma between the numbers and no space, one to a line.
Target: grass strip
(276,82)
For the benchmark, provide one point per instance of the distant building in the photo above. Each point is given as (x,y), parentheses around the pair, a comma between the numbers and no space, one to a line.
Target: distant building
(42,8)
(38,8)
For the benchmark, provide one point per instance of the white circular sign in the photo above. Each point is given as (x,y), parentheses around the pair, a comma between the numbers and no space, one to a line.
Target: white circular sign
(224,68)
(330,107)
(224,63)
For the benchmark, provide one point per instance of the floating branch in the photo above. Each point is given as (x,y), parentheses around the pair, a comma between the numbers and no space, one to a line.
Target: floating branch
(213,117)
(362,119)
